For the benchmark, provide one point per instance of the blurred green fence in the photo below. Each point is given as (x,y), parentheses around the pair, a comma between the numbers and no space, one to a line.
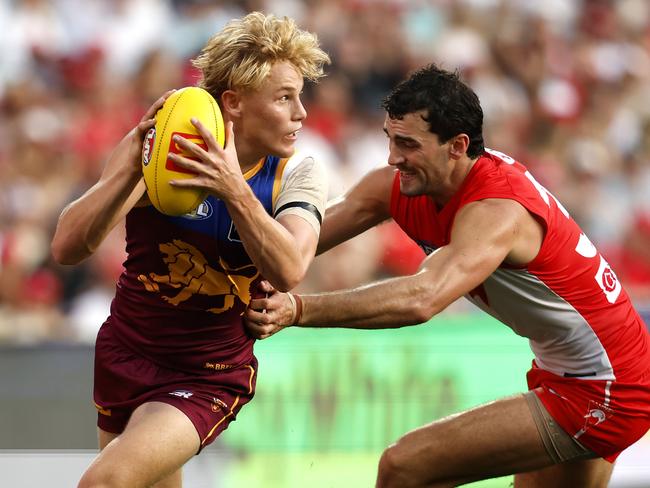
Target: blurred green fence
(327,402)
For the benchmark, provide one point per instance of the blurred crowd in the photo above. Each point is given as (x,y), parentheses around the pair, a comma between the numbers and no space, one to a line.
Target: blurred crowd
(564,84)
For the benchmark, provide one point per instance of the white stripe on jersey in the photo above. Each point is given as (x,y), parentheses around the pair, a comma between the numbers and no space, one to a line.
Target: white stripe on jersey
(557,332)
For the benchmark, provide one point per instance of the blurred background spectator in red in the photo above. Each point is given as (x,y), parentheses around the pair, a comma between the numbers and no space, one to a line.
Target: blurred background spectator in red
(565,86)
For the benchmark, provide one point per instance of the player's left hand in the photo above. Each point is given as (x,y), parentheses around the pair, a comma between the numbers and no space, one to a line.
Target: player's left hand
(266,316)
(137,134)
(217,169)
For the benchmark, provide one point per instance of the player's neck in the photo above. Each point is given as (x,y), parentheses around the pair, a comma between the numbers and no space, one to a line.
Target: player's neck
(457,176)
(247,158)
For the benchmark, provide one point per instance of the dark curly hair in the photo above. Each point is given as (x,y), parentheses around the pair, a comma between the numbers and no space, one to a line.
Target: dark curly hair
(452,107)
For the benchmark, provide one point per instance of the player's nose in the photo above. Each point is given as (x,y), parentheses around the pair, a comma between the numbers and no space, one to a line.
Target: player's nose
(395,159)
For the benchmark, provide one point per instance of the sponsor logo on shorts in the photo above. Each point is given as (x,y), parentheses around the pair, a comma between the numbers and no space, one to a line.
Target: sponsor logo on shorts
(217,366)
(218,405)
(182,393)
(596,415)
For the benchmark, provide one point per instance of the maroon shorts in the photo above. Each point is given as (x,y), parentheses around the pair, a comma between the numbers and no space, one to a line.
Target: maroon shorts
(124,381)
(604,416)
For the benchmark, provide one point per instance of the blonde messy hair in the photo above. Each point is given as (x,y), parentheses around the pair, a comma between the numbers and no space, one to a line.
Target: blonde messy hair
(242,54)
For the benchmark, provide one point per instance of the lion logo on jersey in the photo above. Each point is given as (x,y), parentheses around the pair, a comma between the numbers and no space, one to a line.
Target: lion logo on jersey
(190,273)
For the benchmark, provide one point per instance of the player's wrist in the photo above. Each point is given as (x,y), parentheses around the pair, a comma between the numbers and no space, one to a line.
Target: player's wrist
(296,320)
(238,194)
(296,302)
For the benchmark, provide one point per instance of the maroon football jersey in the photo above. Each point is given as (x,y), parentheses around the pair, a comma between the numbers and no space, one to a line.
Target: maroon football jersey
(187,282)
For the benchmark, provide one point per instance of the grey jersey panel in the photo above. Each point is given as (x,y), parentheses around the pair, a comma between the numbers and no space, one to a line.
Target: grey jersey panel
(561,339)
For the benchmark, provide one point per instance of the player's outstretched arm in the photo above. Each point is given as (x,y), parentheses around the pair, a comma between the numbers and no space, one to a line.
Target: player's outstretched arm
(483,235)
(365,205)
(84,223)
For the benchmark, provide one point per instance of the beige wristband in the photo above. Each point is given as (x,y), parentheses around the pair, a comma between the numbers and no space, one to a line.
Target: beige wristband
(296,301)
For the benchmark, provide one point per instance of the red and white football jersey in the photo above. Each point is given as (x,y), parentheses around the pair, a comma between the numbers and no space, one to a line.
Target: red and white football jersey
(568,302)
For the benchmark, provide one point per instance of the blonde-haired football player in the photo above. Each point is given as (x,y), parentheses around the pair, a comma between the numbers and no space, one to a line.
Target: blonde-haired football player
(242,55)
(173,363)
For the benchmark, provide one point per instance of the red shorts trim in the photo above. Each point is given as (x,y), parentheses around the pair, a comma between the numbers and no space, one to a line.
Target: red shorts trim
(125,380)
(604,416)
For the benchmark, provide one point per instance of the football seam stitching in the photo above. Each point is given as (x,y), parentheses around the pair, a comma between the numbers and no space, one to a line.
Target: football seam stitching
(210,99)
(155,174)
(202,196)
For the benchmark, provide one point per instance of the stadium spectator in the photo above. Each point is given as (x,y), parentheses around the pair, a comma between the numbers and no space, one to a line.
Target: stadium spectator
(551,76)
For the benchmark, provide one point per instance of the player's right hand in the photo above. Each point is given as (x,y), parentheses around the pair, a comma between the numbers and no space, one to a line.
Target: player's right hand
(270,314)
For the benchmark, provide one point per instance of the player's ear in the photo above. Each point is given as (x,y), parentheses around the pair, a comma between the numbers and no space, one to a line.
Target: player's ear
(231,102)
(458,146)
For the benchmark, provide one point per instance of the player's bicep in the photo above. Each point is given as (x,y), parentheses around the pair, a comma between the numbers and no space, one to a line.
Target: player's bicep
(300,203)
(482,236)
(303,232)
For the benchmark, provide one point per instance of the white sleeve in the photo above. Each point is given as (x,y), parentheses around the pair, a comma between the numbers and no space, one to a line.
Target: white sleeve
(303,190)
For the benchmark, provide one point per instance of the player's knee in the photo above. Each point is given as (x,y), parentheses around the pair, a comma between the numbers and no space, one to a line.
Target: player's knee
(397,470)
(393,471)
(95,478)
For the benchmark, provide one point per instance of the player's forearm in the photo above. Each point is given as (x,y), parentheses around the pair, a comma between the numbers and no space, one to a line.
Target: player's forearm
(269,244)
(362,207)
(392,303)
(84,223)
(444,276)
(343,221)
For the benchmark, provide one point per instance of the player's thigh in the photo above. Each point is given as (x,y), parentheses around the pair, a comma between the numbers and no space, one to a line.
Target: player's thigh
(105,438)
(586,473)
(174,480)
(156,443)
(491,440)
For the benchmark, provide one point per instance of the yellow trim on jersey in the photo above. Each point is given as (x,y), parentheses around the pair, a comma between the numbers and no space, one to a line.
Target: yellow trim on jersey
(102,410)
(222,419)
(255,169)
(278,179)
(250,380)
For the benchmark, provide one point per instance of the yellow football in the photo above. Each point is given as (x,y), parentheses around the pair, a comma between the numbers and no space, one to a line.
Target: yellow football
(171,120)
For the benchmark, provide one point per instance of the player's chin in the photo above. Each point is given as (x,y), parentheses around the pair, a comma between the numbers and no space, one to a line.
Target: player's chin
(410,189)
(284,150)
